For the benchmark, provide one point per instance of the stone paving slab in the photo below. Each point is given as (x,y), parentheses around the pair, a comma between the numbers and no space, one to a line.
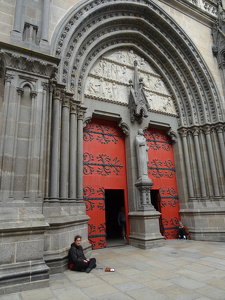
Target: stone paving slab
(180,270)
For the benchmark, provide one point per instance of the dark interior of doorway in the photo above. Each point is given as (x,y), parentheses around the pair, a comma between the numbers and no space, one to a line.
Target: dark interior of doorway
(114,199)
(156,200)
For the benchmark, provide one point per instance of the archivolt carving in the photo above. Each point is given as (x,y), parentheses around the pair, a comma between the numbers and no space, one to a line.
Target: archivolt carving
(185,75)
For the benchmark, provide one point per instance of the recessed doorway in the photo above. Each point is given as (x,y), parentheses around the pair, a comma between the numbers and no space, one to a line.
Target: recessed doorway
(114,200)
(155,200)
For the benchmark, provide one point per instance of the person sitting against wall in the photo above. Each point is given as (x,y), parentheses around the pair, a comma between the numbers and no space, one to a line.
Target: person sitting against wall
(76,258)
(182,232)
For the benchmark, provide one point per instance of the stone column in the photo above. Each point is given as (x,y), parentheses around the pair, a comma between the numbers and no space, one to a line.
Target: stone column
(195,132)
(73,152)
(18,16)
(219,129)
(43,144)
(45,20)
(183,134)
(207,130)
(55,146)
(7,140)
(64,160)
(80,117)
(20,92)
(48,133)
(32,142)
(8,79)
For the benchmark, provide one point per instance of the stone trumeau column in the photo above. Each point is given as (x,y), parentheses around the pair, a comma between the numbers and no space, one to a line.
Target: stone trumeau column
(144,222)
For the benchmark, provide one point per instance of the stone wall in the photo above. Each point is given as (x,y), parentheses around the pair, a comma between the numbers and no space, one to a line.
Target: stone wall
(45,101)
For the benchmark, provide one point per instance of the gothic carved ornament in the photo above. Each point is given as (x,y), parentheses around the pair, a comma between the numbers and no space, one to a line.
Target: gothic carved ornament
(218,34)
(206,129)
(185,75)
(21,59)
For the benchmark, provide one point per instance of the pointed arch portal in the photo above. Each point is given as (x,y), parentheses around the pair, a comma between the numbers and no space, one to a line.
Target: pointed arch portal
(95,29)
(92,28)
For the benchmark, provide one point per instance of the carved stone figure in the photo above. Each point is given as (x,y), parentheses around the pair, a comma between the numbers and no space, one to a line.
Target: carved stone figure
(138,103)
(218,30)
(114,90)
(142,154)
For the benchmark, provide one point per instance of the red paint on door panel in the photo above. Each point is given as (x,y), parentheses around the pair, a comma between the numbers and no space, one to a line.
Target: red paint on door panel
(104,167)
(161,169)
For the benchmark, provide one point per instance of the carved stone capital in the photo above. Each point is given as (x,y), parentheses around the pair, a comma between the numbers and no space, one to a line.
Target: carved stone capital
(66,101)
(86,121)
(195,131)
(57,93)
(20,91)
(33,94)
(9,77)
(183,132)
(45,86)
(125,128)
(219,128)
(207,129)
(81,112)
(172,135)
(73,106)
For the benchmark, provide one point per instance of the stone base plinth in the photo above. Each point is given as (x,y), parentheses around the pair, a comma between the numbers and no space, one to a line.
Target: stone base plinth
(21,251)
(23,276)
(145,230)
(148,243)
(65,222)
(205,223)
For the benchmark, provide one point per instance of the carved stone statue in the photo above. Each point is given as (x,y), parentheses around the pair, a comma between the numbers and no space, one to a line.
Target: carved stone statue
(142,154)
(218,33)
(138,103)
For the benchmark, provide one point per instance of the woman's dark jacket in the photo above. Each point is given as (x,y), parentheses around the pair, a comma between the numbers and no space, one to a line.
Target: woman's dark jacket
(76,254)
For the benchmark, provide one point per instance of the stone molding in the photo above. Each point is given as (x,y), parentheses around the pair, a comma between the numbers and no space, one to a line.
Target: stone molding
(29,61)
(206,8)
(206,128)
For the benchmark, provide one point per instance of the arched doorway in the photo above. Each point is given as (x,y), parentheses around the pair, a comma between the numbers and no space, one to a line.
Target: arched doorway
(92,29)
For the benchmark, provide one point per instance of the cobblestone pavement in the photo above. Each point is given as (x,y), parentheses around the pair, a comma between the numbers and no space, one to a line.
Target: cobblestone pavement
(179,270)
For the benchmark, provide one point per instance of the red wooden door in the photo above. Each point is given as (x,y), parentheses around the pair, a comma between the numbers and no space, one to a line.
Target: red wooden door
(162,172)
(104,168)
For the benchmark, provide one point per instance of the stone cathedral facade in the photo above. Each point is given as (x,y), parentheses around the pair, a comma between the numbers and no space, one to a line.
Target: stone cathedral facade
(78,81)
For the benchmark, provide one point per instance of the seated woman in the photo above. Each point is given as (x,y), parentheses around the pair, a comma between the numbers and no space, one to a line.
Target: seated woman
(182,233)
(76,259)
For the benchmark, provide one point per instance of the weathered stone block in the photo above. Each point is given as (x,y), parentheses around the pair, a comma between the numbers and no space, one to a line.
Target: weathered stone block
(7,253)
(32,249)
